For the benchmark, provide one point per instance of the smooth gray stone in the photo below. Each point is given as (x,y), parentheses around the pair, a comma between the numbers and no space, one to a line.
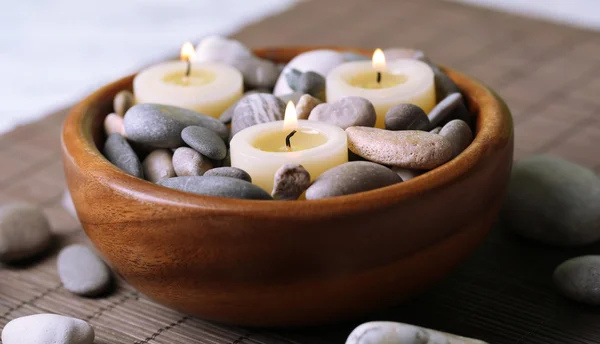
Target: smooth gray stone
(444,86)
(122,102)
(436,130)
(311,83)
(160,125)
(305,105)
(407,173)
(553,201)
(346,112)
(227,115)
(188,162)
(293,97)
(24,231)
(350,178)
(449,108)
(158,165)
(118,151)
(350,57)
(387,332)
(205,142)
(459,134)
(258,73)
(290,181)
(255,109)
(231,172)
(227,161)
(292,76)
(82,272)
(47,329)
(406,117)
(579,280)
(217,186)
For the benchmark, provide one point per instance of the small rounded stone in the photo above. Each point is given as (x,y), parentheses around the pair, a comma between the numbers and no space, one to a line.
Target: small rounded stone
(413,149)
(188,162)
(388,332)
(113,123)
(231,172)
(118,151)
(579,280)
(350,178)
(217,186)
(82,272)
(291,180)
(255,109)
(205,142)
(158,165)
(292,76)
(258,73)
(459,134)
(311,83)
(305,105)
(47,329)
(122,102)
(321,61)
(406,117)
(217,48)
(346,112)
(553,201)
(227,115)
(24,231)
(451,107)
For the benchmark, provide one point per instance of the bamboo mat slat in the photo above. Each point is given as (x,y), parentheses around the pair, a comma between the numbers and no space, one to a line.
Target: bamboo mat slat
(548,74)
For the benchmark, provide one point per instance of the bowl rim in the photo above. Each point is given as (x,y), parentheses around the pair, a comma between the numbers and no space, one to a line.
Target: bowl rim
(493,129)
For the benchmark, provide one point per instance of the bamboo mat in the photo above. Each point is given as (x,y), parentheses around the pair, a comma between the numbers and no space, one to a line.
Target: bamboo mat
(548,74)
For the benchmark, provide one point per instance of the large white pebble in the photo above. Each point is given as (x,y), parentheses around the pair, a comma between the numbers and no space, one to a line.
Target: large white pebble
(221,49)
(320,61)
(388,332)
(47,329)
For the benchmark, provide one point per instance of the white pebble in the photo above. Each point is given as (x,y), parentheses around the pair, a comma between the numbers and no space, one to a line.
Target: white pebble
(47,329)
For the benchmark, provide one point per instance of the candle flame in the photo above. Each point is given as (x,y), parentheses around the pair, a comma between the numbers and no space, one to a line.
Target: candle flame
(290,120)
(379,60)
(187,51)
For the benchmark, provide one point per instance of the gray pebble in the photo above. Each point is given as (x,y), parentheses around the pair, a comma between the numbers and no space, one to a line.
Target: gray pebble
(406,117)
(311,83)
(305,105)
(451,107)
(118,151)
(47,329)
(82,272)
(351,57)
(444,86)
(291,180)
(24,231)
(407,173)
(459,134)
(350,178)
(217,186)
(579,280)
(122,102)
(205,142)
(227,161)
(188,162)
(258,73)
(346,112)
(408,148)
(255,109)
(158,165)
(436,130)
(231,172)
(553,201)
(160,125)
(292,76)
(387,332)
(227,115)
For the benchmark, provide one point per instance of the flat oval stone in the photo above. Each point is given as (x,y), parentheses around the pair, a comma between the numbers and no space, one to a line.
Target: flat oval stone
(350,178)
(579,280)
(290,181)
(305,105)
(408,148)
(258,73)
(122,102)
(346,112)
(231,172)
(227,115)
(158,165)
(255,109)
(47,329)
(217,186)
(216,48)
(388,332)
(553,201)
(113,123)
(24,231)
(82,272)
(118,151)
(205,142)
(406,117)
(451,107)
(320,61)
(160,125)
(188,162)
(459,134)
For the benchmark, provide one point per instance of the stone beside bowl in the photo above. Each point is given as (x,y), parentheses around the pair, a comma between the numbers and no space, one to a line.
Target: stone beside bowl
(282,263)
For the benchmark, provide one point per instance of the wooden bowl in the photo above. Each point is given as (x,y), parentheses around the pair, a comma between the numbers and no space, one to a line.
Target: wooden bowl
(278,263)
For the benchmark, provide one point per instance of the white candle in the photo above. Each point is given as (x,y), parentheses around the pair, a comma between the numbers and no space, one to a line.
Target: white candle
(402,81)
(261,149)
(209,87)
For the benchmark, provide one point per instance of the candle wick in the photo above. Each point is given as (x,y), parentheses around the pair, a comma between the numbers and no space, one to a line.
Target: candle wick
(188,70)
(378,77)
(287,140)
